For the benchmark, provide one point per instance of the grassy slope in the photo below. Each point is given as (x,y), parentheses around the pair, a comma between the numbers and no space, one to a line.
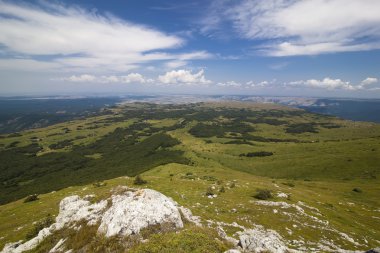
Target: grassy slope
(324,169)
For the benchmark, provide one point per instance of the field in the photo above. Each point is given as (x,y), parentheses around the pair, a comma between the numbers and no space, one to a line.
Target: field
(323,172)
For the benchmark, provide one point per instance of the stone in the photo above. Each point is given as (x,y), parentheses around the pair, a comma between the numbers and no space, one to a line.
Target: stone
(377,250)
(135,210)
(261,240)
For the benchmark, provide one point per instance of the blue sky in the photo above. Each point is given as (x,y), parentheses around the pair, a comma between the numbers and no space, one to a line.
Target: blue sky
(273,47)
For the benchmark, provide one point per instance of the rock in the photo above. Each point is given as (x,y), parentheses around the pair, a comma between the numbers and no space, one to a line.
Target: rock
(377,250)
(232,251)
(134,211)
(73,209)
(58,247)
(261,240)
(131,211)
(282,195)
(31,244)
(188,215)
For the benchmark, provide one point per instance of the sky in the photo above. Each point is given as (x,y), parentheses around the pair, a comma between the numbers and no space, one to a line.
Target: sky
(312,48)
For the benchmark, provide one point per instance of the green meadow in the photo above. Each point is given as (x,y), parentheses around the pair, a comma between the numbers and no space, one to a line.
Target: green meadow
(327,168)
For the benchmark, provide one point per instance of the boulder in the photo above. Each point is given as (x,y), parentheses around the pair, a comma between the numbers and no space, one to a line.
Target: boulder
(261,240)
(127,212)
(135,210)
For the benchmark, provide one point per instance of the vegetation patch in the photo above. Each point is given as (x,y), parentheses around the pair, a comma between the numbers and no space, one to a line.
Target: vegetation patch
(263,194)
(46,222)
(139,180)
(300,128)
(192,239)
(31,198)
(219,130)
(61,144)
(122,154)
(257,154)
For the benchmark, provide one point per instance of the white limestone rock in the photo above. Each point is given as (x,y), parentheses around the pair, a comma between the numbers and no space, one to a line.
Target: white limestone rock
(261,240)
(130,211)
(188,215)
(232,251)
(135,210)
(58,247)
(73,209)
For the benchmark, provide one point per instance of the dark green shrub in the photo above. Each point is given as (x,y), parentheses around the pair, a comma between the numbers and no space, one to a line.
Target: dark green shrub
(31,198)
(222,189)
(139,181)
(358,190)
(99,184)
(290,184)
(209,191)
(209,178)
(257,154)
(302,128)
(263,194)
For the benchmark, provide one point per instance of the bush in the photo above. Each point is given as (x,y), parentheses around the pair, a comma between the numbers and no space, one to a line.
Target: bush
(99,184)
(232,185)
(290,184)
(222,189)
(46,222)
(31,198)
(139,181)
(358,190)
(209,191)
(257,154)
(209,178)
(263,194)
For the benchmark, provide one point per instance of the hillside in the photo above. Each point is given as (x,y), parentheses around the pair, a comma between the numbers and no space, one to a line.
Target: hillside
(313,179)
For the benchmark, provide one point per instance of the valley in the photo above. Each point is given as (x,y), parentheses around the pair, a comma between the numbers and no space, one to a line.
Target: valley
(214,158)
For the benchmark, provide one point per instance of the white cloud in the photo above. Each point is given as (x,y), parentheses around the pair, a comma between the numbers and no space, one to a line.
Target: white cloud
(369,80)
(57,29)
(307,27)
(229,84)
(77,40)
(183,77)
(335,84)
(133,78)
(175,64)
(130,78)
(326,83)
(81,78)
(28,65)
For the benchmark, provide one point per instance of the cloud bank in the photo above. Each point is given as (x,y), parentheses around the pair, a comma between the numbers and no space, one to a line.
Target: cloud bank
(58,37)
(336,84)
(308,27)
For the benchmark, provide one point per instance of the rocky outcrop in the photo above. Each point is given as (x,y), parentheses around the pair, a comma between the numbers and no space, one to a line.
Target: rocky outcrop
(126,212)
(134,211)
(261,240)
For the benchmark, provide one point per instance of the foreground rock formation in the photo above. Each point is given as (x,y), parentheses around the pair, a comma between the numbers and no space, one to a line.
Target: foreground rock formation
(127,212)
(134,211)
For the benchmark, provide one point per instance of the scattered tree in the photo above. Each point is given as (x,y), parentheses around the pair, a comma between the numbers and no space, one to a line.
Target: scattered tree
(139,180)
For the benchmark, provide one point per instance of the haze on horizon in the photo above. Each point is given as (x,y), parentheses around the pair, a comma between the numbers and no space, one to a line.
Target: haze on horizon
(274,47)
